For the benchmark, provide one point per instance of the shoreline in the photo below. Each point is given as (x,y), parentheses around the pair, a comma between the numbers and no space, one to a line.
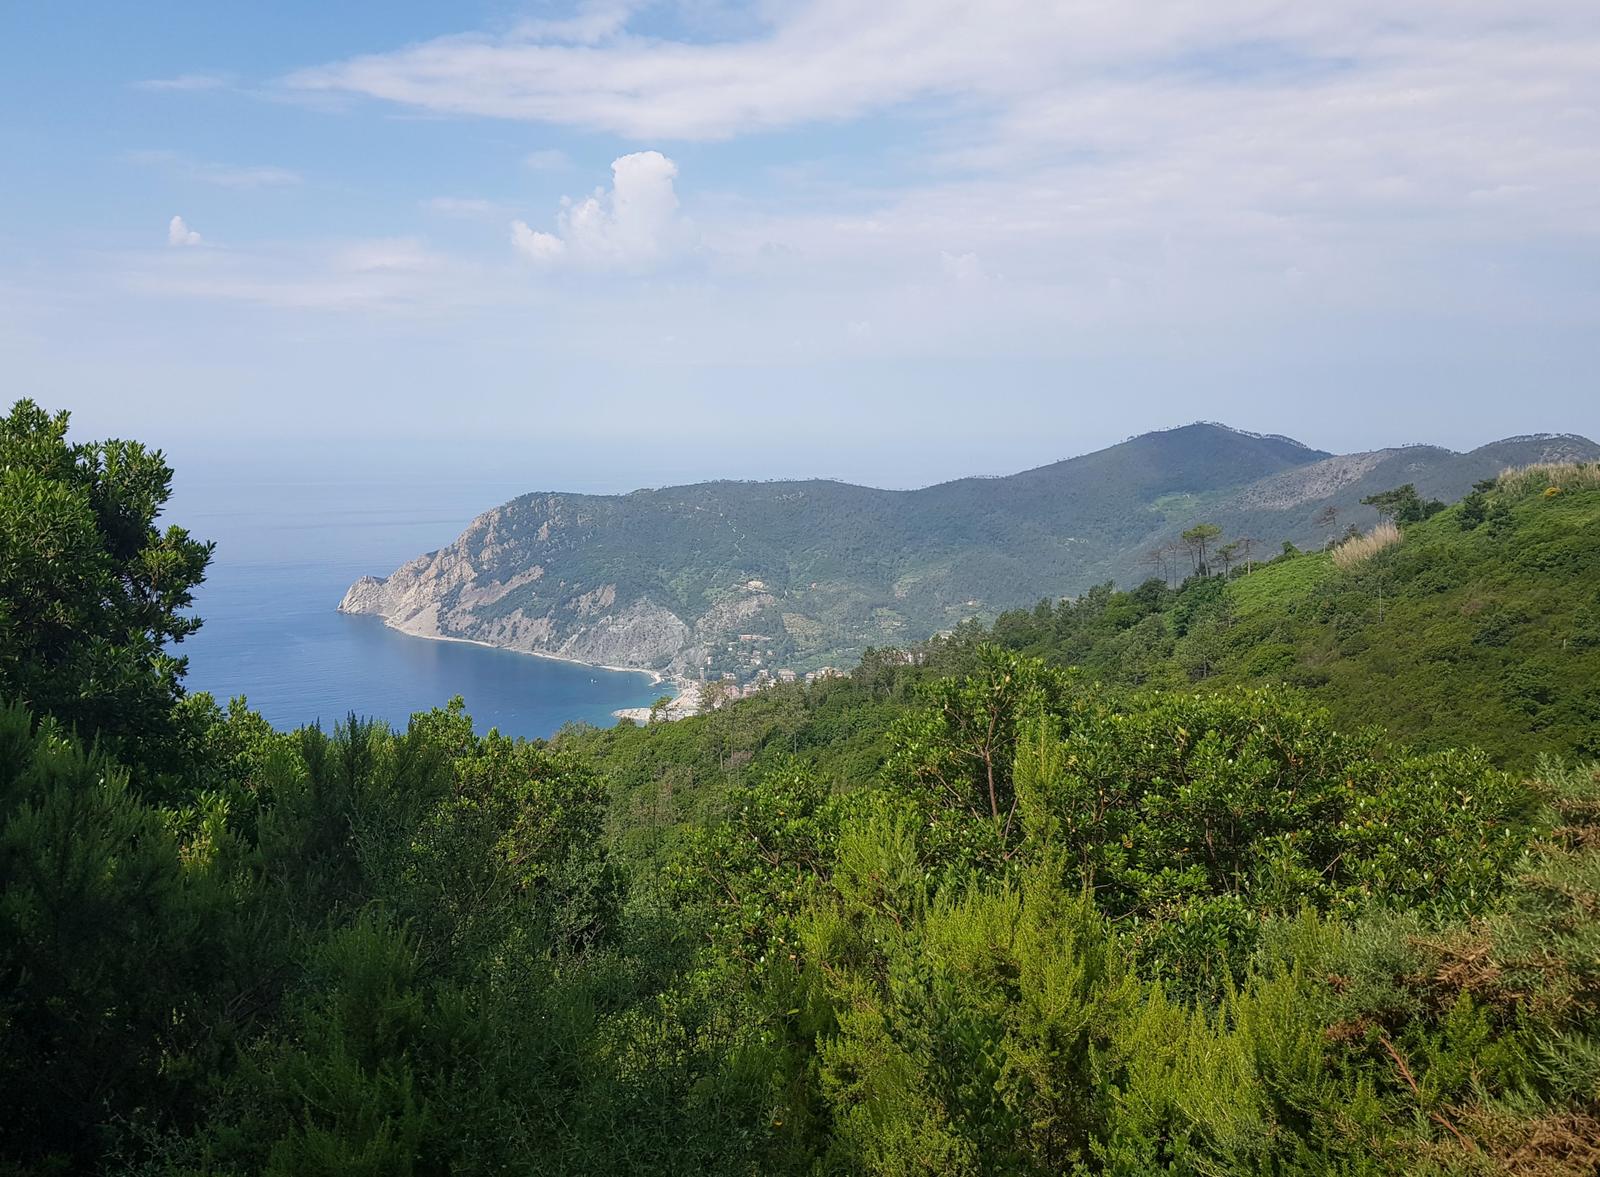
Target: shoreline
(686,692)
(656,677)
(685,702)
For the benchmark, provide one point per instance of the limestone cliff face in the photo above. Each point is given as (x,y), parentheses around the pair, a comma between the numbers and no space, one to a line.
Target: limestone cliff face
(484,588)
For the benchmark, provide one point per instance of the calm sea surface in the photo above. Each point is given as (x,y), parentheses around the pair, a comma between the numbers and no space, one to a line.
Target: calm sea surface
(287,550)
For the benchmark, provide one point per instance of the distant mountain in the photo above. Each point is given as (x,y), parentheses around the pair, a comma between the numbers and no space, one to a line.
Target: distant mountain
(1295,504)
(748,576)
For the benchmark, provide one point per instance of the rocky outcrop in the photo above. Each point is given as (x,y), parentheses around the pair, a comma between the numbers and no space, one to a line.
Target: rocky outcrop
(1313,483)
(474,590)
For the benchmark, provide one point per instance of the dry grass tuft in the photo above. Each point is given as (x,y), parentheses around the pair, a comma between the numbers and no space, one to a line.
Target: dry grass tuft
(1359,549)
(1549,478)
(1561,1144)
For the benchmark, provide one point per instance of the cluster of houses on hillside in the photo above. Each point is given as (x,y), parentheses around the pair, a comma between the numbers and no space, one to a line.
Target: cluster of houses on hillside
(732,689)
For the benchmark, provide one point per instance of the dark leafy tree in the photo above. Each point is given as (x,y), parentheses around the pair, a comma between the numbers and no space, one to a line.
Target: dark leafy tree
(1403,504)
(91,591)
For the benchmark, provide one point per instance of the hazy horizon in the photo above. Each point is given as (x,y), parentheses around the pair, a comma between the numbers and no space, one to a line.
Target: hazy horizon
(505,468)
(970,238)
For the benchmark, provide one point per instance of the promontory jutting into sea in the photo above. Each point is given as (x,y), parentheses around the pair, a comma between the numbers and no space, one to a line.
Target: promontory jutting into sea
(615,589)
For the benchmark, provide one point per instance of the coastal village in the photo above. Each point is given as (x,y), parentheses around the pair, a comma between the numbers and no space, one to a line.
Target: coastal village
(708,694)
(731,688)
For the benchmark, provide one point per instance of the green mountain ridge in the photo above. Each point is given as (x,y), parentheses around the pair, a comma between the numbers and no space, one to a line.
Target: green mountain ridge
(738,577)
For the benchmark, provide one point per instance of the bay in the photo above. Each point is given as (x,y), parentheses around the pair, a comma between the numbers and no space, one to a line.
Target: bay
(287,548)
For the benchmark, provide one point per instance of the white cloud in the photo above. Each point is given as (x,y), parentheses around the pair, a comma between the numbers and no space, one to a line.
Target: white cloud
(1059,179)
(1173,154)
(540,248)
(836,59)
(179,233)
(632,226)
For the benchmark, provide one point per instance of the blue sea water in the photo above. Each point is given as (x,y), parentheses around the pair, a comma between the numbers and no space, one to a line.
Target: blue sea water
(288,548)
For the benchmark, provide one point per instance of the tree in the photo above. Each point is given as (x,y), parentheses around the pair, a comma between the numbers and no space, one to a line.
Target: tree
(961,744)
(108,944)
(1328,517)
(715,694)
(90,591)
(1403,504)
(1196,539)
(1228,553)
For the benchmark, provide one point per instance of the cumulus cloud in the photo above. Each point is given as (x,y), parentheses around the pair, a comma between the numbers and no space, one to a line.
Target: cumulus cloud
(1162,150)
(1075,173)
(540,248)
(179,233)
(630,226)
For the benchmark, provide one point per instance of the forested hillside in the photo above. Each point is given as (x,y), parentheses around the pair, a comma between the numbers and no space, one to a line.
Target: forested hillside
(1047,898)
(1481,625)
(737,578)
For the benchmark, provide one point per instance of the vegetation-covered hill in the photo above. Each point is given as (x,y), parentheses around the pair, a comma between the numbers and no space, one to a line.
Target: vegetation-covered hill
(736,577)
(959,912)
(1481,626)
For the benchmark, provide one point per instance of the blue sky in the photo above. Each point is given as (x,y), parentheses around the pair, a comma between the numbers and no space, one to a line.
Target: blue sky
(619,243)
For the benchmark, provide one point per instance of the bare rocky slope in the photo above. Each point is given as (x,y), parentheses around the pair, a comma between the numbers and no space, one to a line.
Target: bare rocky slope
(743,576)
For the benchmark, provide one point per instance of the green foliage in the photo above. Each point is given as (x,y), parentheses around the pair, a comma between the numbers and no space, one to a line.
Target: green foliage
(847,568)
(1403,504)
(106,988)
(1468,633)
(960,745)
(960,912)
(756,873)
(90,590)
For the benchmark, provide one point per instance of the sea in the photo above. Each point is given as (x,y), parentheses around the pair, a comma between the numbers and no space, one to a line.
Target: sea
(287,548)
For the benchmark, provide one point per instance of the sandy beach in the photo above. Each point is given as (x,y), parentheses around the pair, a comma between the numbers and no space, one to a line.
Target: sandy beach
(684,704)
(655,675)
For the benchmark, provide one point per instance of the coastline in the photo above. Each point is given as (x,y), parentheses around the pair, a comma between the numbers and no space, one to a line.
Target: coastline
(686,692)
(685,702)
(656,676)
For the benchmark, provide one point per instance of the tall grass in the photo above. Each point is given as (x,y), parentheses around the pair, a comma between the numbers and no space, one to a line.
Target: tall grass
(1542,477)
(1358,549)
